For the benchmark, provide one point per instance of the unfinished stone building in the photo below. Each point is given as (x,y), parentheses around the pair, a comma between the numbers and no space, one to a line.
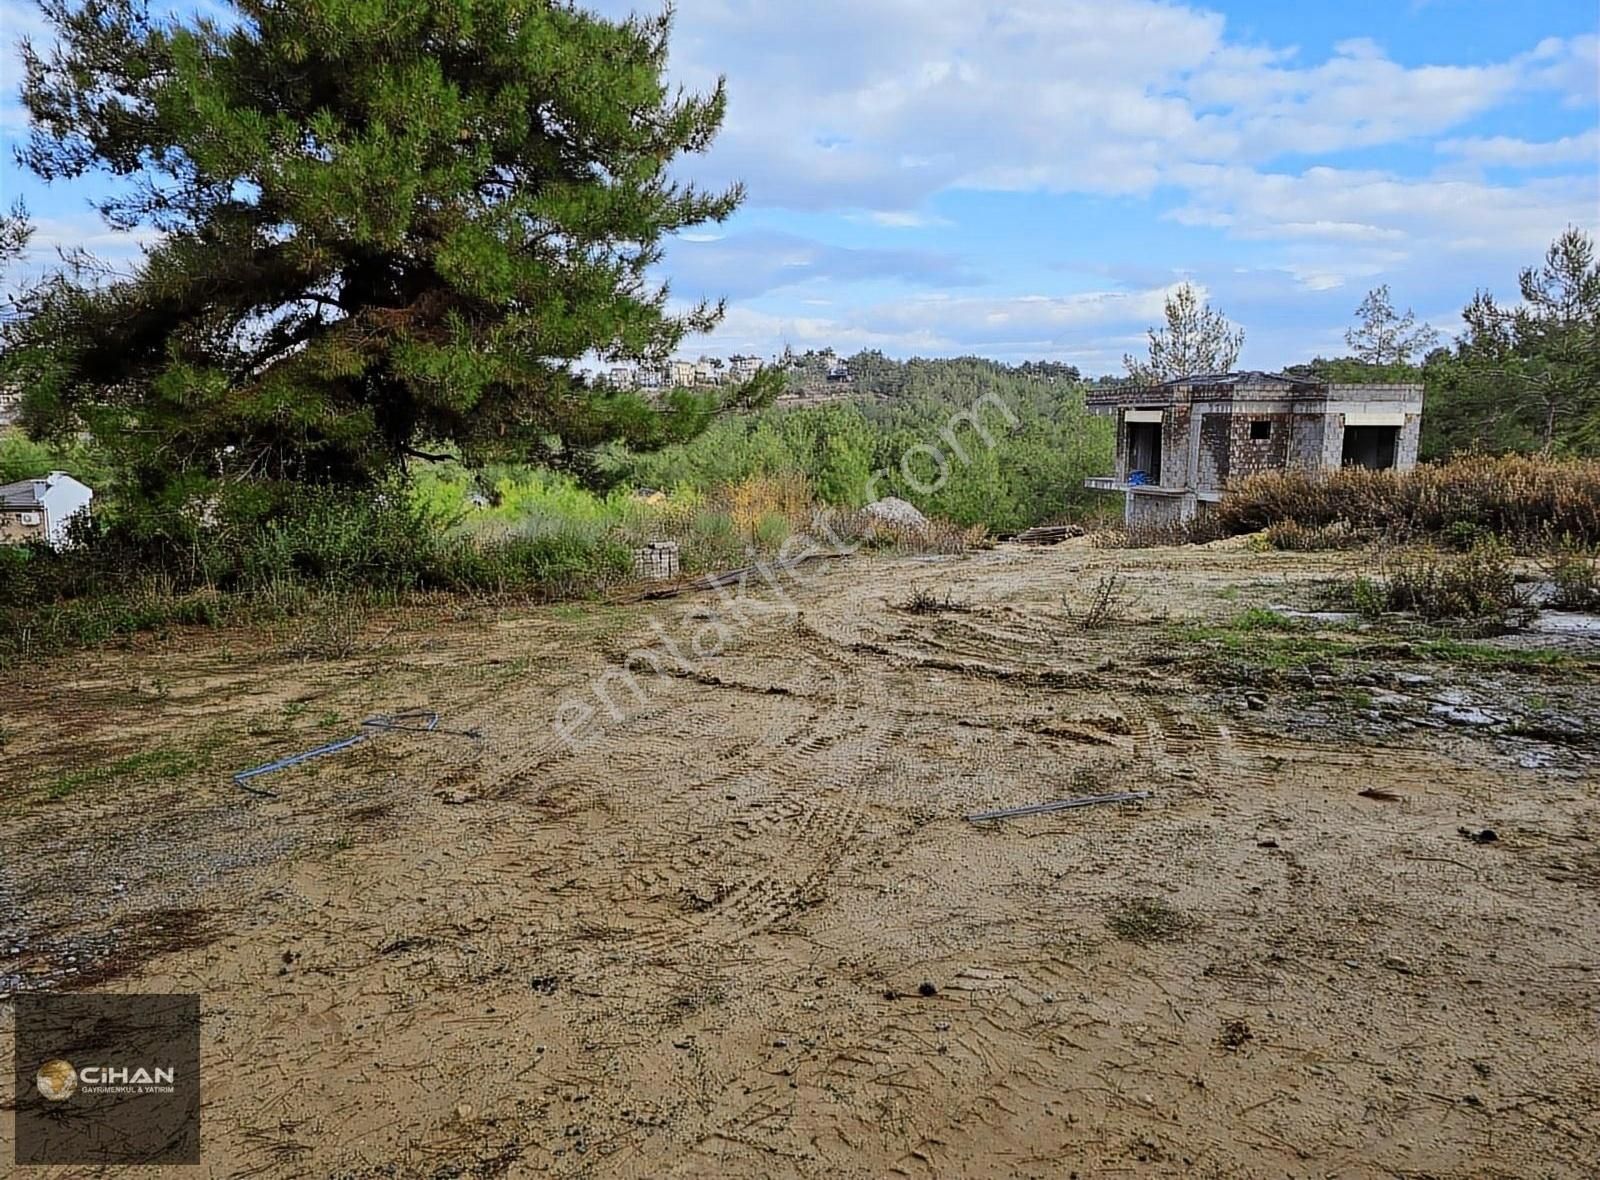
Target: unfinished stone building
(1180,443)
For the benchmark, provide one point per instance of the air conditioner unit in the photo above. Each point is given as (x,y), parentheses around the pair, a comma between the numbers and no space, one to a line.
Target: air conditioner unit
(32,518)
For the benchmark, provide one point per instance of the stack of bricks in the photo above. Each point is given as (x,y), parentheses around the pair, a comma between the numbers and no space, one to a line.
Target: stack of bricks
(657,561)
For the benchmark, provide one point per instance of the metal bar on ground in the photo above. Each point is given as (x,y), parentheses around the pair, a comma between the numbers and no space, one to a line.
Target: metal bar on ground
(410,721)
(1059,805)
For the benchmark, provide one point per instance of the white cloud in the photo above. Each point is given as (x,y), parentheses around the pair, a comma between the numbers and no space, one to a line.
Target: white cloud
(1570,67)
(901,219)
(1353,223)
(841,105)
(1506,151)
(18,20)
(751,263)
(1077,327)
(870,110)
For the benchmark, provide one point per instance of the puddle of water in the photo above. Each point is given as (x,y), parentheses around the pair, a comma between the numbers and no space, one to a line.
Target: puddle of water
(1563,622)
(1316,616)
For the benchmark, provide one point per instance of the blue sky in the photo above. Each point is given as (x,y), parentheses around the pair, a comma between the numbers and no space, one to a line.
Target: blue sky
(1030,179)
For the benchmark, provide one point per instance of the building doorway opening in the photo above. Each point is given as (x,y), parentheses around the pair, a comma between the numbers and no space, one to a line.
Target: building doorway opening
(1144,451)
(1372,447)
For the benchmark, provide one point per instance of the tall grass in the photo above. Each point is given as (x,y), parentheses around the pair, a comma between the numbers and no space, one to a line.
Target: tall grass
(1521,499)
(538,535)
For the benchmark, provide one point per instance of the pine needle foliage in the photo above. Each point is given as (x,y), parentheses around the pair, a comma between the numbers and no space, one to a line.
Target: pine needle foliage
(378,228)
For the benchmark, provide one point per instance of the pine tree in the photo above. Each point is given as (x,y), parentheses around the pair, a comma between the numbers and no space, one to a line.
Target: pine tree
(386,225)
(15,231)
(1197,339)
(1384,337)
(1530,375)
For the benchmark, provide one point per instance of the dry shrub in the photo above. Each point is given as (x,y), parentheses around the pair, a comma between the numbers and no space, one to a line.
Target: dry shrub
(758,498)
(330,631)
(859,528)
(1148,920)
(924,602)
(1197,530)
(1106,604)
(1295,537)
(1517,497)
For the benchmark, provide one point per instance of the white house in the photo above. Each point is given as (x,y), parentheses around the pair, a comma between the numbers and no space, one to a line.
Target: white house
(39,509)
(743,368)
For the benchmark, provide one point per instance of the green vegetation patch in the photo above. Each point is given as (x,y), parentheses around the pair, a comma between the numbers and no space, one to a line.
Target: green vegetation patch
(1258,640)
(149,766)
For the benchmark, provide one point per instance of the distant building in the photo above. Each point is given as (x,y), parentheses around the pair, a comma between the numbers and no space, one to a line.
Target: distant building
(743,368)
(652,377)
(40,509)
(1180,443)
(838,371)
(707,372)
(10,407)
(621,377)
(680,374)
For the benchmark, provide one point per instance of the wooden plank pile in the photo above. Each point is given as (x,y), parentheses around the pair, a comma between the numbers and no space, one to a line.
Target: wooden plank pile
(1048,534)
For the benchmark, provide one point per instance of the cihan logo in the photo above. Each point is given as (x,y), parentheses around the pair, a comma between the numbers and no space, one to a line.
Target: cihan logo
(59,1080)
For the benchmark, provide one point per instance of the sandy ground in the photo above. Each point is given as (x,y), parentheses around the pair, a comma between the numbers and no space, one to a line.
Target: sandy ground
(691,939)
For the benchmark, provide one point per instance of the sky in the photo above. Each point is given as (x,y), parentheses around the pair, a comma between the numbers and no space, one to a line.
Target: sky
(1029,180)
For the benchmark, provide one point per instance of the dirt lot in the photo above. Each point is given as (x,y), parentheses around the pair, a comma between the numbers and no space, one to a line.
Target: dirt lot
(692,939)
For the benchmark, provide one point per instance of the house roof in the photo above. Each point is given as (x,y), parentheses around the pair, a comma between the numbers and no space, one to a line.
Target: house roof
(25,493)
(29,494)
(1243,377)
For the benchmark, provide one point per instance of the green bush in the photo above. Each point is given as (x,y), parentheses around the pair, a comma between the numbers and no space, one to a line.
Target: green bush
(1369,597)
(1481,584)
(772,530)
(1574,579)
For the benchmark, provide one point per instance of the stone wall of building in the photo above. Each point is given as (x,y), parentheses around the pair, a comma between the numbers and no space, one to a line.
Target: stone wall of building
(1248,455)
(1150,510)
(1405,457)
(14,532)
(1307,437)
(1228,450)
(1207,441)
(1215,452)
(1175,447)
(1388,399)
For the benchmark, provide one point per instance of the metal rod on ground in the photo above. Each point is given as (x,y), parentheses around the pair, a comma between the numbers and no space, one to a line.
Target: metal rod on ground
(371,727)
(430,724)
(1059,805)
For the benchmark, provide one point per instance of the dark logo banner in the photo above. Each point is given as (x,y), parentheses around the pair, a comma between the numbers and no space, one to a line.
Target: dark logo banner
(107,1079)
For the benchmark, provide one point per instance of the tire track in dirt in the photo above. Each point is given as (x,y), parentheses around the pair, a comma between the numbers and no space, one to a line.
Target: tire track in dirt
(752,829)
(802,799)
